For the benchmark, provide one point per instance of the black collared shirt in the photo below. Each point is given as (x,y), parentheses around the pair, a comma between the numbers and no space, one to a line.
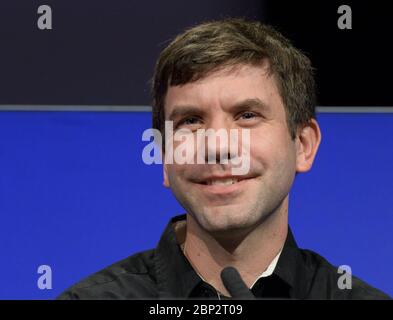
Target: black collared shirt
(165,273)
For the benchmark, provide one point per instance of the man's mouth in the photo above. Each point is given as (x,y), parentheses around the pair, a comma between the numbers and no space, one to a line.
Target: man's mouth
(223,185)
(222,182)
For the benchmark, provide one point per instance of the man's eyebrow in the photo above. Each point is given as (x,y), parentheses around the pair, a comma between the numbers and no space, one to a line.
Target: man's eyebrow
(184,110)
(250,103)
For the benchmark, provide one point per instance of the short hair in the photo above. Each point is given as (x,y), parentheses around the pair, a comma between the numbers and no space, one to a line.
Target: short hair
(212,45)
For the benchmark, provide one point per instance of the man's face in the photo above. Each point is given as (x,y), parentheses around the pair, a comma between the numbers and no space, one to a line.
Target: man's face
(244,97)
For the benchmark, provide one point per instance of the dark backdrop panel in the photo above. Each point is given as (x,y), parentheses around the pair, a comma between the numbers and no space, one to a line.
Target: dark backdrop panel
(99,51)
(103,51)
(353,67)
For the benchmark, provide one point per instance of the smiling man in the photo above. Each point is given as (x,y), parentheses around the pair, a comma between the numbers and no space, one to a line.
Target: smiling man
(231,75)
(230,222)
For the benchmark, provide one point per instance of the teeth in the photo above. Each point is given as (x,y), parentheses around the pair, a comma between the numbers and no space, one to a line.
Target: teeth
(223,182)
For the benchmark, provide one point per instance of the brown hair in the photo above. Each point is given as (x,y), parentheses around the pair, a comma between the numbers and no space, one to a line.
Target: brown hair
(207,47)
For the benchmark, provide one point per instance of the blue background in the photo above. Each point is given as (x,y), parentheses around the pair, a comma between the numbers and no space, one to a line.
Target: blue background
(75,195)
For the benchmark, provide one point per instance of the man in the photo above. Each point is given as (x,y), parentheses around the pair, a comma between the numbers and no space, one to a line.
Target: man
(233,75)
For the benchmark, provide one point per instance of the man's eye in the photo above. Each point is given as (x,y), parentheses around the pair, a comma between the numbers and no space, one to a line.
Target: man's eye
(248,115)
(189,121)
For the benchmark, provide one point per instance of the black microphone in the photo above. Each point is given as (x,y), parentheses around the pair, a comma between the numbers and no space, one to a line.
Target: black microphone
(235,285)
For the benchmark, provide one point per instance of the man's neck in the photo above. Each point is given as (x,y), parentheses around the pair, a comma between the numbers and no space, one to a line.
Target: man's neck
(251,255)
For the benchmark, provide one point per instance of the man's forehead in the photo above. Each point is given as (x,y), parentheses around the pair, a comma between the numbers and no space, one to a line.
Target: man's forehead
(229,94)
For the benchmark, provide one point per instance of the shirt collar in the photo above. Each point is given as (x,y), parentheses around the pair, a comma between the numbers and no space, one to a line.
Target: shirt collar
(270,269)
(292,268)
(176,278)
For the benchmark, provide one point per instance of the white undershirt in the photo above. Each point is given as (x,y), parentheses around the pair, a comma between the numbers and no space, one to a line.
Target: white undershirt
(269,270)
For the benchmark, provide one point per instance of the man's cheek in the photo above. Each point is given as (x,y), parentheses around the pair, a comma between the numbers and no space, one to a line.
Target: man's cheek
(177,174)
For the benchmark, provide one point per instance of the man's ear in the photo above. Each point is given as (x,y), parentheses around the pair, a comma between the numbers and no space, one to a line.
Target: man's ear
(165,173)
(307,142)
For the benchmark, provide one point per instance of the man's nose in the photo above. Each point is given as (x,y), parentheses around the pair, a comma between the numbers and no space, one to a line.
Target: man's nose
(220,145)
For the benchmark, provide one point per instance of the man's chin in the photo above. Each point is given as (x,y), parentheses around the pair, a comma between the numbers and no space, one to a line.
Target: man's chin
(224,221)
